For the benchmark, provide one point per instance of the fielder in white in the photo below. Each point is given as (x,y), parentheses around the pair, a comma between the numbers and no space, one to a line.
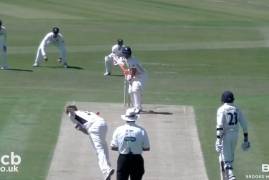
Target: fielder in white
(136,75)
(55,38)
(3,46)
(95,126)
(228,119)
(113,57)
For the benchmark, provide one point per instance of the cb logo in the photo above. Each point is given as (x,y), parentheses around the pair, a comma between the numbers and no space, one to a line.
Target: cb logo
(12,159)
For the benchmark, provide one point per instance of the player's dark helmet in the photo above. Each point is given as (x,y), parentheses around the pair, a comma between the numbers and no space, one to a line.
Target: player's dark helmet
(120,42)
(55,30)
(126,52)
(0,22)
(227,97)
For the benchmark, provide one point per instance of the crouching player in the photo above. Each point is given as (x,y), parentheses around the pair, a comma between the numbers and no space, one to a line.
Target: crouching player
(113,57)
(95,126)
(228,119)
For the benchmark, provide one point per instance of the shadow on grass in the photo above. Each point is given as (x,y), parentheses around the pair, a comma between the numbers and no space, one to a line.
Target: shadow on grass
(156,112)
(18,69)
(75,67)
(61,67)
(117,75)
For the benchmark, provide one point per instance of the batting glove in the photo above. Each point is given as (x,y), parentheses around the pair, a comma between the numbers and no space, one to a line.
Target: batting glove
(129,77)
(245,145)
(219,146)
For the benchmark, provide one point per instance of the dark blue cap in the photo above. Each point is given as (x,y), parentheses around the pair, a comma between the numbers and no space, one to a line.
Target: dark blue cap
(227,97)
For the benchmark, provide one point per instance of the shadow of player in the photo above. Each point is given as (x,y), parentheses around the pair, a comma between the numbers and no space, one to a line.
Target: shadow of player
(155,112)
(17,69)
(61,67)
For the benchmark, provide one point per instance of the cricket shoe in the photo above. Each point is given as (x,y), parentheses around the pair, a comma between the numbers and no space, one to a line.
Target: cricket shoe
(4,67)
(232,178)
(109,174)
(60,60)
(65,65)
(35,65)
(107,74)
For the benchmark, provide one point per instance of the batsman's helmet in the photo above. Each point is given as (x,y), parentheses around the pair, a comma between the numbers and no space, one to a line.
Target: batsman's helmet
(0,22)
(227,97)
(55,30)
(120,42)
(127,52)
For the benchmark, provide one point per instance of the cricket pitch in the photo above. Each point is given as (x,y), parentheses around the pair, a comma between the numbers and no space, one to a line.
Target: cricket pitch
(175,147)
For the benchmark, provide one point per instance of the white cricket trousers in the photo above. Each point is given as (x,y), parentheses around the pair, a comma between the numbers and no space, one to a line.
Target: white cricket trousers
(41,53)
(3,56)
(135,91)
(109,60)
(97,133)
(229,145)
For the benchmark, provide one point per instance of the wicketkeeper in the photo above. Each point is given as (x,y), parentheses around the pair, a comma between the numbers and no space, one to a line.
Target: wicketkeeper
(95,126)
(228,119)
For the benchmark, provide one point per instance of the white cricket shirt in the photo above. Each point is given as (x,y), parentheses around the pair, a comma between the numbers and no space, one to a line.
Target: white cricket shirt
(140,71)
(229,117)
(49,38)
(85,118)
(116,49)
(130,138)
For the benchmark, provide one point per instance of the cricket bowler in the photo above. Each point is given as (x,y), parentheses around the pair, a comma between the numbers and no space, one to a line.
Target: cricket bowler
(95,126)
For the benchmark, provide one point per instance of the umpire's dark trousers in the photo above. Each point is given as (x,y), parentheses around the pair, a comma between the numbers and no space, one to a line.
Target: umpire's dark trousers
(130,165)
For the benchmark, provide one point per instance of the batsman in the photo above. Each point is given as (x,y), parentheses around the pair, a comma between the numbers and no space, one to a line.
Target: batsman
(229,117)
(136,76)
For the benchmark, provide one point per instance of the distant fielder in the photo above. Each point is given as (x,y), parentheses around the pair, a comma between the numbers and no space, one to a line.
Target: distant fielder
(55,38)
(136,76)
(113,57)
(95,126)
(228,119)
(3,46)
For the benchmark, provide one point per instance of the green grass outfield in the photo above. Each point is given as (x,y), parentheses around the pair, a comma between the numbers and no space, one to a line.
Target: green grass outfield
(192,50)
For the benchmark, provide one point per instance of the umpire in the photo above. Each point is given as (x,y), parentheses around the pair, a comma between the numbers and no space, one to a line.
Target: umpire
(130,140)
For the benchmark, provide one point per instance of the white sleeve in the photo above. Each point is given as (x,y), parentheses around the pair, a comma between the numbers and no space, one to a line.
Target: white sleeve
(44,43)
(5,36)
(114,141)
(61,38)
(243,122)
(219,126)
(146,144)
(114,49)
